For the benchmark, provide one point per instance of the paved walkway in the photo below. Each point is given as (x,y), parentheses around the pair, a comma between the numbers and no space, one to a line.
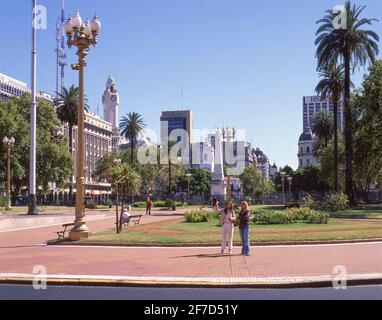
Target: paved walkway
(21,251)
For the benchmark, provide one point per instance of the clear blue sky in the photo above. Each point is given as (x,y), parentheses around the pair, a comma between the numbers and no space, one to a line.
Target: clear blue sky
(245,63)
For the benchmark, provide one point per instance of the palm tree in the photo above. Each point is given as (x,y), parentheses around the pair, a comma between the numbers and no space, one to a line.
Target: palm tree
(67,110)
(354,46)
(331,87)
(323,127)
(128,182)
(132,126)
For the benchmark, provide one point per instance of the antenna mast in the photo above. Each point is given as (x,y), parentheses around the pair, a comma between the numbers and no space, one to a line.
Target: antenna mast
(60,50)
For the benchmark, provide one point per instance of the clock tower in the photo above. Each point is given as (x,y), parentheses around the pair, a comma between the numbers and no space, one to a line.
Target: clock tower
(110,101)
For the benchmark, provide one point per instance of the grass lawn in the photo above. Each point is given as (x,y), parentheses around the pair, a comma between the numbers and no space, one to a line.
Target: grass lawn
(179,232)
(47,209)
(362,211)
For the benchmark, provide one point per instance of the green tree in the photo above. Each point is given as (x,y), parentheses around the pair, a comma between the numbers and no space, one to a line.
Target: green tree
(67,112)
(367,105)
(199,183)
(355,46)
(127,182)
(323,127)
(308,179)
(54,162)
(251,181)
(331,87)
(132,126)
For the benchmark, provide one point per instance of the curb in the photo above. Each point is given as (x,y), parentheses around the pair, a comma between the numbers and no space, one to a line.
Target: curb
(207,245)
(265,283)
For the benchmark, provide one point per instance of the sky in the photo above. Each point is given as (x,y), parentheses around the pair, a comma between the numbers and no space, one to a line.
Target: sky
(241,63)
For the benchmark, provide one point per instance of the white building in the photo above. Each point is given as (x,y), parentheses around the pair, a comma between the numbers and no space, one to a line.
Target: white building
(110,101)
(306,145)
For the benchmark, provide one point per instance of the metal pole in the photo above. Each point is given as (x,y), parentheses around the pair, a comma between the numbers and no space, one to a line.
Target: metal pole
(80,229)
(9,204)
(32,208)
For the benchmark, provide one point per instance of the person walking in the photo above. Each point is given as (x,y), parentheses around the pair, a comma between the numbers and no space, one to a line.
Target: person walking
(149,205)
(227,220)
(244,228)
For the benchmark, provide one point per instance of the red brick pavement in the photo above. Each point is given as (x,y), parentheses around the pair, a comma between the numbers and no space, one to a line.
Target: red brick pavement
(20,251)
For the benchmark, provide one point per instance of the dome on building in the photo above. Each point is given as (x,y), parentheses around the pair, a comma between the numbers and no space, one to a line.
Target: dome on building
(307,136)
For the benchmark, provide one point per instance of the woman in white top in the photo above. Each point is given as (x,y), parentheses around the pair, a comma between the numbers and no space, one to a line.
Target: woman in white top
(227,220)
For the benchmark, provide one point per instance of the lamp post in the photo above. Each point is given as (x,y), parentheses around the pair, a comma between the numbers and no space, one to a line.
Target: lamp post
(81,35)
(32,200)
(283,174)
(8,144)
(290,179)
(189,176)
(117,163)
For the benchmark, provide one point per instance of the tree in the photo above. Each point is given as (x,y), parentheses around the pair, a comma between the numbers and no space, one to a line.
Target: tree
(308,179)
(67,104)
(355,46)
(367,108)
(54,162)
(331,87)
(199,183)
(132,126)
(127,182)
(251,181)
(323,127)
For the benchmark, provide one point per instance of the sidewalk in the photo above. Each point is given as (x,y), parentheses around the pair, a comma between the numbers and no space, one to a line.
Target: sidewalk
(281,266)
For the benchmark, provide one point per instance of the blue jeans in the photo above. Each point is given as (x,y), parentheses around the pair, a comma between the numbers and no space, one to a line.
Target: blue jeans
(244,235)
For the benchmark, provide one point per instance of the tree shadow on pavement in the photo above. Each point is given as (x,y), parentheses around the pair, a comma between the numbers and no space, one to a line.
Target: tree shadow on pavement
(209,256)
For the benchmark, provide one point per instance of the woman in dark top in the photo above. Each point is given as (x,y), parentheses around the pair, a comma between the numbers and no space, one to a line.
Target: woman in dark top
(244,229)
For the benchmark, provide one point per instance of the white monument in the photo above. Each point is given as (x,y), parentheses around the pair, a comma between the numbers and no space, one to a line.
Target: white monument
(218,187)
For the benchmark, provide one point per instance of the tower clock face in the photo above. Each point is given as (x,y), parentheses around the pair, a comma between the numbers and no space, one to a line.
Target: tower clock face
(113,98)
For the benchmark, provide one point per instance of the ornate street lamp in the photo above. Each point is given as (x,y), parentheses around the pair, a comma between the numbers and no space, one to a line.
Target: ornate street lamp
(9,145)
(283,175)
(81,35)
(290,179)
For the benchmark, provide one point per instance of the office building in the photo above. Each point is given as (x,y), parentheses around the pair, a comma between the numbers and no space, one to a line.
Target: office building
(313,105)
(173,120)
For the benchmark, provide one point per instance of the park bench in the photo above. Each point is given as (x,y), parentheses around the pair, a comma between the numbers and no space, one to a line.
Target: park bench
(133,219)
(61,234)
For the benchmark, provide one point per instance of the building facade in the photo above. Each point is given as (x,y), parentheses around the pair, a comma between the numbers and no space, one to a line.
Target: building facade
(110,101)
(313,105)
(173,120)
(305,149)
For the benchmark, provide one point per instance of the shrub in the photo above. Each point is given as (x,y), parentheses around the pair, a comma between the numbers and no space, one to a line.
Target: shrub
(298,214)
(272,217)
(139,204)
(337,202)
(91,206)
(197,216)
(292,215)
(308,202)
(109,203)
(317,218)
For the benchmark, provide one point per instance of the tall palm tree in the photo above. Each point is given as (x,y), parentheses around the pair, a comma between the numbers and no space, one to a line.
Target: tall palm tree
(323,127)
(354,46)
(132,126)
(67,111)
(331,87)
